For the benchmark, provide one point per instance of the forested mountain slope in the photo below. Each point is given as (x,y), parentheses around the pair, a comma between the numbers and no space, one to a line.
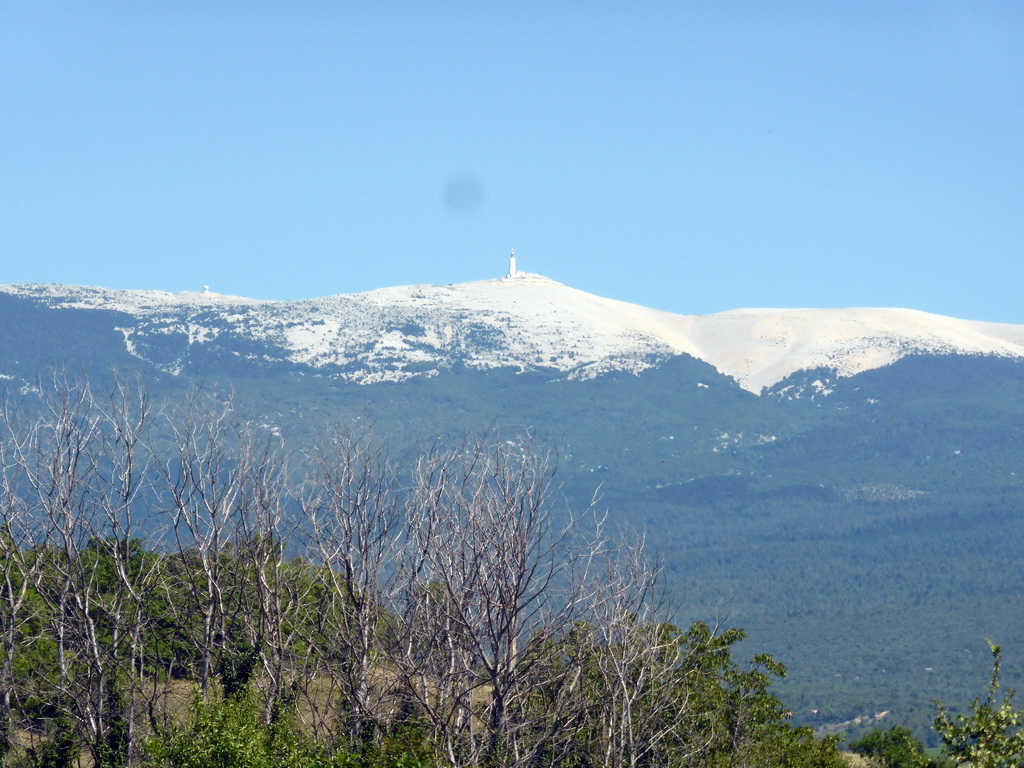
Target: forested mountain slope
(844,484)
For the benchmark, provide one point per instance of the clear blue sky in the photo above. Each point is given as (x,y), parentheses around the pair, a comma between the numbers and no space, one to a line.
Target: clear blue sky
(690,156)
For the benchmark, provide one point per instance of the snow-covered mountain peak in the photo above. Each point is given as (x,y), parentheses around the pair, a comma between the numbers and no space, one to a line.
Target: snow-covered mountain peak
(779,342)
(526,322)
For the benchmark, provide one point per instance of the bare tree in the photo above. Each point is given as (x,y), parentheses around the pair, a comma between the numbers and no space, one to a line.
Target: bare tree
(204,482)
(78,479)
(271,595)
(83,468)
(57,467)
(489,573)
(355,528)
(228,499)
(123,496)
(637,702)
(18,565)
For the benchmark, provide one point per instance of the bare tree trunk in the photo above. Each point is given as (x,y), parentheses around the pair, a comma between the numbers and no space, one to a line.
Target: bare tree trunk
(18,566)
(121,490)
(271,601)
(60,468)
(354,533)
(204,483)
(636,660)
(495,571)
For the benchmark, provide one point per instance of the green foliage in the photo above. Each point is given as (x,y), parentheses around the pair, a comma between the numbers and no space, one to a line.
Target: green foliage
(401,750)
(228,733)
(711,711)
(991,735)
(797,747)
(113,753)
(61,749)
(231,732)
(892,748)
(236,668)
(752,724)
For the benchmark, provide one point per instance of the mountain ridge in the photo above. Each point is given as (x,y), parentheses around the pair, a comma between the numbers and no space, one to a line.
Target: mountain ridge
(528,322)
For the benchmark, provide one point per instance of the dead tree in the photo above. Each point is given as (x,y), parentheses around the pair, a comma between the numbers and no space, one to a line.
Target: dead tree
(637,703)
(272,594)
(354,531)
(488,571)
(58,466)
(123,498)
(19,565)
(228,500)
(80,469)
(204,482)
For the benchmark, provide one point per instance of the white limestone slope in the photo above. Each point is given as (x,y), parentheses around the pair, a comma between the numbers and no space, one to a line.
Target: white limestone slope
(531,322)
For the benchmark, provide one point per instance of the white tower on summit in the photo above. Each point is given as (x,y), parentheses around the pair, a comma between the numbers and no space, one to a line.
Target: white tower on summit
(512,264)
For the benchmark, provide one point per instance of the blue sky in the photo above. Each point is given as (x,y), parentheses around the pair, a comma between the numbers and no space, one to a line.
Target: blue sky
(690,156)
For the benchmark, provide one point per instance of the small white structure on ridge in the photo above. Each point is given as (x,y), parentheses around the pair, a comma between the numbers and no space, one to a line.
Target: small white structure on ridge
(512,264)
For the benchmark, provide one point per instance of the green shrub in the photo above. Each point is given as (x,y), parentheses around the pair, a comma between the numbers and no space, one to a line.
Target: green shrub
(231,732)
(894,748)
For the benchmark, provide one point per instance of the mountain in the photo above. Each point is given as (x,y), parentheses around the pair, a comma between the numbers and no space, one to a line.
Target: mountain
(526,322)
(845,484)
